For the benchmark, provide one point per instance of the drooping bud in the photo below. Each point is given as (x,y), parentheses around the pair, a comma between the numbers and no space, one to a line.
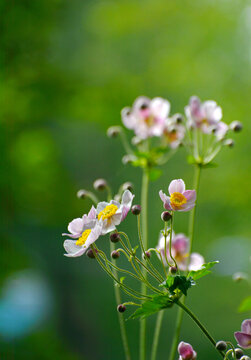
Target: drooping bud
(136,209)
(114,237)
(82,194)
(100,184)
(115,254)
(229,143)
(236,126)
(245,357)
(178,118)
(127,186)
(128,159)
(239,276)
(221,345)
(166,216)
(238,353)
(173,270)
(121,308)
(113,131)
(136,141)
(147,255)
(90,253)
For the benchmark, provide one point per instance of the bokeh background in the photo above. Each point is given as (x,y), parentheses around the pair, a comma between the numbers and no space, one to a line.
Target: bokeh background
(67,69)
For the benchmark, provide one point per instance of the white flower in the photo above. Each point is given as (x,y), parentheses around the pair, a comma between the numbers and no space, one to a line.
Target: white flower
(111,214)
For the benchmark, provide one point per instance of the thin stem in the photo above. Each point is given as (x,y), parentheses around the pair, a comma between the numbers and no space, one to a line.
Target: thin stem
(156,334)
(121,316)
(177,332)
(202,327)
(124,140)
(159,256)
(144,203)
(170,242)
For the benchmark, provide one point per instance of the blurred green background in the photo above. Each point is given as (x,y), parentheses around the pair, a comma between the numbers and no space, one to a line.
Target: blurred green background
(67,69)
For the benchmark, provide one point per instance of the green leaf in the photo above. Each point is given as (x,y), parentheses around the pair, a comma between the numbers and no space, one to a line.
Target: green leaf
(155,174)
(195,275)
(209,165)
(178,282)
(152,306)
(245,305)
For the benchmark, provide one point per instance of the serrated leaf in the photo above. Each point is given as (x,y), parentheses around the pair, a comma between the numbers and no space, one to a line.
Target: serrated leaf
(245,305)
(178,282)
(155,174)
(195,275)
(152,306)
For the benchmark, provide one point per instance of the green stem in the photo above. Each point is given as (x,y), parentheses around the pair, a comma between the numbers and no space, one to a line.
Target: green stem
(156,334)
(144,201)
(191,236)
(120,316)
(202,327)
(170,242)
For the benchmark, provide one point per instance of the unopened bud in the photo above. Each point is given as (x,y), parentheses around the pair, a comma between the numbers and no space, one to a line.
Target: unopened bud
(127,186)
(238,353)
(114,237)
(173,270)
(136,141)
(239,276)
(147,255)
(113,131)
(236,126)
(90,253)
(100,184)
(245,357)
(82,194)
(128,159)
(136,209)
(166,216)
(221,345)
(178,118)
(229,143)
(121,308)
(115,254)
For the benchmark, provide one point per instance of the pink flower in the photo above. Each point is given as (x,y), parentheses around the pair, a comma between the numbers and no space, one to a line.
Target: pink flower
(244,336)
(146,117)
(186,351)
(180,248)
(180,199)
(204,115)
(173,132)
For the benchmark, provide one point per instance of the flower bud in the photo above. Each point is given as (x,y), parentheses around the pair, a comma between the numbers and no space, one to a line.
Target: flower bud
(166,216)
(236,126)
(229,143)
(127,186)
(221,345)
(238,353)
(238,276)
(113,131)
(100,184)
(136,141)
(128,159)
(115,254)
(90,253)
(121,308)
(178,118)
(245,357)
(114,237)
(82,194)
(147,255)
(136,209)
(173,270)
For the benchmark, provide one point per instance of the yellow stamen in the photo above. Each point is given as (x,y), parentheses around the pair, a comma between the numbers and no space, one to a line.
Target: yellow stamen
(108,212)
(177,200)
(171,136)
(81,241)
(149,120)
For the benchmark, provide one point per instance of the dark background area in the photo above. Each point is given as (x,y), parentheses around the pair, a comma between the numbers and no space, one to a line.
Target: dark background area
(67,69)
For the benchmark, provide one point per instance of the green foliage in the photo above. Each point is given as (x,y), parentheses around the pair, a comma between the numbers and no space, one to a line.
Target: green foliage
(152,306)
(245,305)
(195,275)
(178,282)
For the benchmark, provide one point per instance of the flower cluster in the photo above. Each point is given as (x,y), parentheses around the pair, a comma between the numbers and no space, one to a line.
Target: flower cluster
(100,221)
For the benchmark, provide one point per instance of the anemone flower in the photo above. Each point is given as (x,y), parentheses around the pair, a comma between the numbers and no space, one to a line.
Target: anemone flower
(243,337)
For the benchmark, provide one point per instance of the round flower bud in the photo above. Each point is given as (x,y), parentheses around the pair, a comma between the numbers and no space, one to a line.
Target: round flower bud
(239,276)
(173,270)
(113,131)
(100,184)
(166,216)
(136,209)
(90,253)
(229,143)
(245,357)
(82,194)
(128,159)
(236,126)
(121,308)
(127,186)
(115,254)
(178,118)
(221,345)
(147,255)
(238,353)
(136,141)
(114,237)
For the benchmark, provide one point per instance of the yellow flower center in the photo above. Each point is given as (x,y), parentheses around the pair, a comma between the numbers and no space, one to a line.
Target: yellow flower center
(177,199)
(149,120)
(81,241)
(171,136)
(108,212)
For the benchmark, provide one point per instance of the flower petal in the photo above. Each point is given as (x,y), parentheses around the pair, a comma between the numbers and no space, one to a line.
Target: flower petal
(76,226)
(244,340)
(160,107)
(126,203)
(186,351)
(166,200)
(177,186)
(180,243)
(72,249)
(190,195)
(101,206)
(92,213)
(246,326)
(196,262)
